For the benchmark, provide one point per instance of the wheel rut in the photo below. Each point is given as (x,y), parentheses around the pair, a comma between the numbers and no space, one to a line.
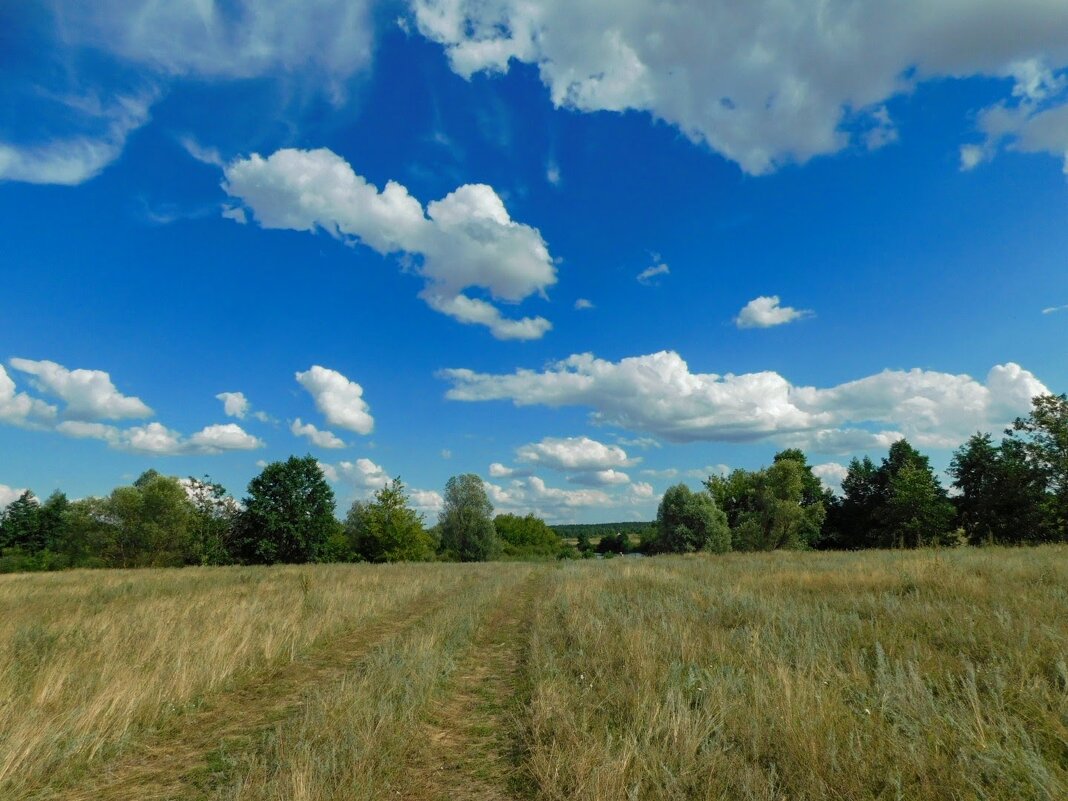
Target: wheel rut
(174,762)
(472,747)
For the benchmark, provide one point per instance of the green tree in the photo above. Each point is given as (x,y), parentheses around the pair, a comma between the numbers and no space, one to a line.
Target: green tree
(782,509)
(215,514)
(288,515)
(150,524)
(914,509)
(387,529)
(851,520)
(53,520)
(1043,438)
(20,524)
(467,531)
(526,536)
(690,521)
(583,544)
(1002,493)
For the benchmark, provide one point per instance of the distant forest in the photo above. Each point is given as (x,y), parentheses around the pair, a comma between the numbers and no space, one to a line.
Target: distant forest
(1012,492)
(574,531)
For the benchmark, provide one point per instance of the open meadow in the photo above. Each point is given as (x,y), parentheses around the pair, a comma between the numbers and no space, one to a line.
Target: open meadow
(929,674)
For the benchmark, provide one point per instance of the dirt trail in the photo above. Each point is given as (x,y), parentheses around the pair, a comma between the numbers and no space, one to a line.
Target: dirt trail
(175,763)
(471,751)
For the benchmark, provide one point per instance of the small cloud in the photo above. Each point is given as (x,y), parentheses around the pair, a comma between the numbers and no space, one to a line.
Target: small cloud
(883,131)
(552,173)
(582,304)
(235,404)
(205,155)
(647,275)
(971,156)
(318,437)
(1055,309)
(235,213)
(446,453)
(765,312)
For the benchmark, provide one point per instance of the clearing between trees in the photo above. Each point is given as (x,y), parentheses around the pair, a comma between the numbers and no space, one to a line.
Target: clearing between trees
(921,675)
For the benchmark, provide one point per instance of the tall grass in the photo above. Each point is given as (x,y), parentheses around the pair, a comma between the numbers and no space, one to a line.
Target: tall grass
(354,738)
(801,676)
(924,675)
(89,659)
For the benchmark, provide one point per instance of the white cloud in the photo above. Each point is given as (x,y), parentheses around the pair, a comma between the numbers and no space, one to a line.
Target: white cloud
(1033,120)
(765,312)
(88,394)
(248,38)
(18,408)
(235,404)
(152,438)
(223,437)
(552,173)
(647,275)
(363,474)
(532,494)
(1054,309)
(205,155)
(658,394)
(158,440)
(582,304)
(321,439)
(339,399)
(831,474)
(74,159)
(668,472)
(764,82)
(9,494)
(600,478)
(573,453)
(465,240)
(428,502)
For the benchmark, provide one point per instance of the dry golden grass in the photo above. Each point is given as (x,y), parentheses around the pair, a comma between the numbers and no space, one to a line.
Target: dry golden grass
(925,675)
(803,676)
(89,659)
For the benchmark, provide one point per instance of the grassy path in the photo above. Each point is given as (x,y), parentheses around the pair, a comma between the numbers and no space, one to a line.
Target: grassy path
(472,749)
(176,762)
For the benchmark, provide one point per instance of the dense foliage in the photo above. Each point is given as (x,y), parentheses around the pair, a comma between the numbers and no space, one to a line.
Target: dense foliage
(1012,492)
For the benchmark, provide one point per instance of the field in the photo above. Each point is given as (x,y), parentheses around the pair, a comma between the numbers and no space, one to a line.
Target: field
(878,675)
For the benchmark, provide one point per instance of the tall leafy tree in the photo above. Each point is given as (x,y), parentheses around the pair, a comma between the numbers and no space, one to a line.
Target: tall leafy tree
(148,524)
(915,510)
(852,519)
(1043,438)
(53,522)
(20,524)
(215,513)
(288,515)
(467,531)
(782,510)
(387,529)
(690,521)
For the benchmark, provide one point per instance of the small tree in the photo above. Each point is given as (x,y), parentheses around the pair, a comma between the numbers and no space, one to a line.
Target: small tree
(467,531)
(690,521)
(288,516)
(387,529)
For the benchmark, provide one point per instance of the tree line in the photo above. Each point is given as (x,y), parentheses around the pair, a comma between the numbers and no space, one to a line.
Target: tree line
(1011,492)
(287,516)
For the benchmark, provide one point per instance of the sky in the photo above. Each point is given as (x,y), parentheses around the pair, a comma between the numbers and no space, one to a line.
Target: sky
(585,250)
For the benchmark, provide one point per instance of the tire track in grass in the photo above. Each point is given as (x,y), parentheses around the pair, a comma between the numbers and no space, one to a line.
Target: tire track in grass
(472,748)
(175,761)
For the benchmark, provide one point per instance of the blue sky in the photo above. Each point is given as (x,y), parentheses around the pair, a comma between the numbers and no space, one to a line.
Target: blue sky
(583,250)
